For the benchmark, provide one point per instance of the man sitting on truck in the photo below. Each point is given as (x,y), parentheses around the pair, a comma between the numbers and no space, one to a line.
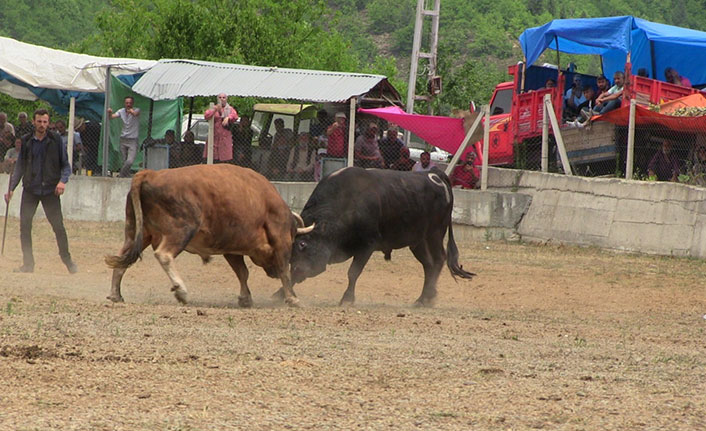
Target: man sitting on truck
(612,98)
(586,107)
(602,84)
(573,98)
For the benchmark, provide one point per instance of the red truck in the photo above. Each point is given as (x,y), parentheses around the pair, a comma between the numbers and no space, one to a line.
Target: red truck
(516,115)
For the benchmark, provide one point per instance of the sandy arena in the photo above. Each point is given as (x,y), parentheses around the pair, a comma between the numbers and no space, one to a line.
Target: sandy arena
(545,337)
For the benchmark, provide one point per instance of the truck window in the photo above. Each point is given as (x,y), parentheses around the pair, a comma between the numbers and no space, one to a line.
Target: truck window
(502,102)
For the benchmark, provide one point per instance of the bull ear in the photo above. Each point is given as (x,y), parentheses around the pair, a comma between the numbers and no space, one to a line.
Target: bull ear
(303,230)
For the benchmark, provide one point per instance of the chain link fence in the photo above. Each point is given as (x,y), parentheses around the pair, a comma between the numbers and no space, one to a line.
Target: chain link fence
(668,147)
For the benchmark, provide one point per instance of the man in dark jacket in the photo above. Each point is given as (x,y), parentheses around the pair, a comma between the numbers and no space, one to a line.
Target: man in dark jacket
(44,167)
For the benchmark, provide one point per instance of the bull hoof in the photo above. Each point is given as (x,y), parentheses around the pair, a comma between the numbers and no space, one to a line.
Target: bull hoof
(115,298)
(245,301)
(279,295)
(179,294)
(424,302)
(347,300)
(293,302)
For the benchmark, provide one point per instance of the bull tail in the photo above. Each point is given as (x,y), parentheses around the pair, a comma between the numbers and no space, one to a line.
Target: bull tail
(452,256)
(131,255)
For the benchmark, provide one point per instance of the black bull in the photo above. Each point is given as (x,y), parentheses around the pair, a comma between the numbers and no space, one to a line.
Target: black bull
(358,211)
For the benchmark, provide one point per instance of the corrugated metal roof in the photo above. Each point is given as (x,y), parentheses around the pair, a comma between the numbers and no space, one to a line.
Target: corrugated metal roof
(170,79)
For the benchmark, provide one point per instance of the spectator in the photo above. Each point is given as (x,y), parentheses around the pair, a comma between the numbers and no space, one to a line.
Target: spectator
(300,165)
(573,98)
(337,137)
(242,142)
(44,167)
(697,166)
(466,174)
(404,163)
(665,164)
(318,166)
(175,150)
(317,129)
(673,77)
(14,152)
(586,107)
(391,146)
(190,152)
(282,143)
(78,145)
(11,156)
(612,98)
(602,84)
(223,116)
(7,133)
(551,83)
(90,132)
(643,72)
(424,163)
(24,126)
(130,116)
(367,152)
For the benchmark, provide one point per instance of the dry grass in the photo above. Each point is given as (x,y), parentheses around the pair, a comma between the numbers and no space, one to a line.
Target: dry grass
(546,337)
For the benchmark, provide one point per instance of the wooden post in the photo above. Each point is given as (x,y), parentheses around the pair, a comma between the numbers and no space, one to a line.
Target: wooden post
(70,132)
(545,134)
(106,123)
(486,146)
(351,131)
(631,141)
(209,150)
(557,136)
(464,144)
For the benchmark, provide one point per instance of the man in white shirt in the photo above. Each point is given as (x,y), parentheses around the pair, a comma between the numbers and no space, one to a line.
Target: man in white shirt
(130,117)
(424,164)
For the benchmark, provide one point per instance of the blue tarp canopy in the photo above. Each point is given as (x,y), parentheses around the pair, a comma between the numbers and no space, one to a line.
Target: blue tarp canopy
(651,45)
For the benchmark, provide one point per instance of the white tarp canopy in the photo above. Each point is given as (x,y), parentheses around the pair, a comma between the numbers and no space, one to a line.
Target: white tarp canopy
(49,68)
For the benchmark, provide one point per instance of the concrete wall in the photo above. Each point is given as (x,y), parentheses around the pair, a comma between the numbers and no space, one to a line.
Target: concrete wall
(659,218)
(479,214)
(649,217)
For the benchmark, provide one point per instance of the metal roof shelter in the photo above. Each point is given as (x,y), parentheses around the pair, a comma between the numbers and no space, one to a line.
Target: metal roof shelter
(170,79)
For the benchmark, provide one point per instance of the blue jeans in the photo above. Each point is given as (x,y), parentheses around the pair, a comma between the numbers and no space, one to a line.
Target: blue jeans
(610,105)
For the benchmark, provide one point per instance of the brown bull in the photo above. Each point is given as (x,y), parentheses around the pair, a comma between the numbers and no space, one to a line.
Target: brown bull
(208,210)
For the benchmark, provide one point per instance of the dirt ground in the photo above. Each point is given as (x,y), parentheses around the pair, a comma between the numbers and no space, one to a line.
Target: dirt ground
(545,337)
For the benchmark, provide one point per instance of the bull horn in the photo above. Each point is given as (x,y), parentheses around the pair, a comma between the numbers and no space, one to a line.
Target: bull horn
(299,219)
(303,230)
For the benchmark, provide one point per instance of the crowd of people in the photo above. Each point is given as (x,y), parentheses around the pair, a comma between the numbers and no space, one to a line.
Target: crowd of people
(298,157)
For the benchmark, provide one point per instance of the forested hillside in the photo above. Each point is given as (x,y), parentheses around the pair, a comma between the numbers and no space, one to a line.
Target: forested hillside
(478,39)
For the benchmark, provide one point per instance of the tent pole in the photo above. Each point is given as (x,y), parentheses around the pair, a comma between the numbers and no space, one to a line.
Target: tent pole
(209,144)
(351,132)
(191,112)
(149,120)
(70,132)
(149,135)
(106,123)
(653,61)
(558,63)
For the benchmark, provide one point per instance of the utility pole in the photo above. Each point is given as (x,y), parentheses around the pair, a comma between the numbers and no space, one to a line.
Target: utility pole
(433,80)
